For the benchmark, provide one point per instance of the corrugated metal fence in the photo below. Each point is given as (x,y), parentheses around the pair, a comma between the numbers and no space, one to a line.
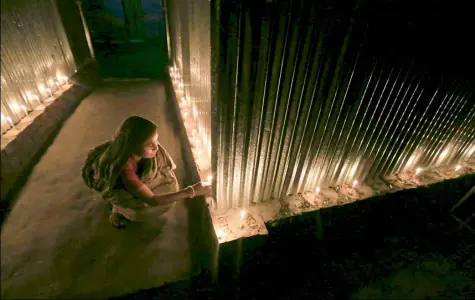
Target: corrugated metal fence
(188,24)
(308,93)
(35,55)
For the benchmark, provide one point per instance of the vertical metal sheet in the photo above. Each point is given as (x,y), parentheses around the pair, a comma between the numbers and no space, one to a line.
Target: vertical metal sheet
(300,100)
(188,26)
(300,96)
(35,52)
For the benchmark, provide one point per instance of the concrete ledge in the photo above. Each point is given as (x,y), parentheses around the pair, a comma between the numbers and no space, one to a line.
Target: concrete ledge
(271,213)
(21,154)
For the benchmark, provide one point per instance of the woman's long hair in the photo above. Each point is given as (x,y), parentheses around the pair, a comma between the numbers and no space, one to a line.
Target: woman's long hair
(127,141)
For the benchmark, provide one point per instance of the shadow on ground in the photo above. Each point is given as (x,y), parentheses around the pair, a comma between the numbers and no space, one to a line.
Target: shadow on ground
(398,246)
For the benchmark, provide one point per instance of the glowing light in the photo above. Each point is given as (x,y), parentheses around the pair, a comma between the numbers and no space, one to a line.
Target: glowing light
(185,115)
(317,190)
(66,79)
(25,111)
(9,120)
(41,88)
(220,233)
(180,85)
(195,112)
(15,107)
(355,183)
(209,179)
(444,154)
(418,171)
(243,215)
(458,167)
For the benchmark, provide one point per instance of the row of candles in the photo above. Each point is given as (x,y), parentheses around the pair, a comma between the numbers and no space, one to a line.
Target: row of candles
(356,182)
(201,142)
(60,81)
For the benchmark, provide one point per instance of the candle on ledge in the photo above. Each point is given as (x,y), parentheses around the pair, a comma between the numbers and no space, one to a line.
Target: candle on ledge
(418,171)
(317,192)
(355,183)
(10,121)
(243,214)
(210,179)
(25,111)
(458,167)
(66,79)
(50,93)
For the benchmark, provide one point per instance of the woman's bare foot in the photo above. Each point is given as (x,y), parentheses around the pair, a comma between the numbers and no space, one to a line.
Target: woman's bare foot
(117,220)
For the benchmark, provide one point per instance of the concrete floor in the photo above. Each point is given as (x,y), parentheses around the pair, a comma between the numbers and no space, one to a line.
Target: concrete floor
(57,242)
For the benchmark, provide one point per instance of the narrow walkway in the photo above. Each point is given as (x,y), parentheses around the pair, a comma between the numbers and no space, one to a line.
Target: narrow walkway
(57,242)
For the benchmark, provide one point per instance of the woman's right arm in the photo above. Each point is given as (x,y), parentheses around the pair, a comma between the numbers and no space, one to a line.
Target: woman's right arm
(167,198)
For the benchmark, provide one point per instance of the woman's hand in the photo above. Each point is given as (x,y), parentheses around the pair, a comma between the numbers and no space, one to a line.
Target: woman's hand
(202,189)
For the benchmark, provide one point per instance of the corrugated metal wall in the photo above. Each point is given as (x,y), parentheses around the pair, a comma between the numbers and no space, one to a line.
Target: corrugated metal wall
(188,24)
(315,93)
(306,96)
(35,54)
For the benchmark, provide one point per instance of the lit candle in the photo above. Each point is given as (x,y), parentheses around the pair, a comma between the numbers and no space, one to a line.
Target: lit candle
(180,85)
(458,167)
(355,183)
(219,233)
(243,214)
(418,170)
(210,179)
(185,115)
(25,111)
(57,84)
(50,93)
(317,191)
(10,120)
(66,79)
(195,112)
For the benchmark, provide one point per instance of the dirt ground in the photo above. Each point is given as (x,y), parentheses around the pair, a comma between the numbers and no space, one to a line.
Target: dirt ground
(57,242)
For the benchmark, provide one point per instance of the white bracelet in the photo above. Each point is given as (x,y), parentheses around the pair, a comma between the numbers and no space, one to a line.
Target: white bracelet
(194,194)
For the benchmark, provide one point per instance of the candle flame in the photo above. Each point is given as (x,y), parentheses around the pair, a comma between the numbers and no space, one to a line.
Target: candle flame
(458,167)
(317,190)
(210,178)
(418,170)
(15,107)
(243,214)
(355,183)
(219,233)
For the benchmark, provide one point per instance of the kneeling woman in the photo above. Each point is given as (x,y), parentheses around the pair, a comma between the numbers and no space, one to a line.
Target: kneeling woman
(135,174)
